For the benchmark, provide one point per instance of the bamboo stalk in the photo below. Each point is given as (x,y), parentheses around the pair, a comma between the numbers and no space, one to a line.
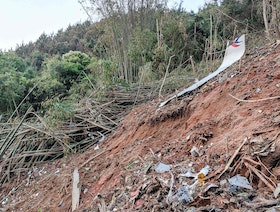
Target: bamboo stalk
(29,142)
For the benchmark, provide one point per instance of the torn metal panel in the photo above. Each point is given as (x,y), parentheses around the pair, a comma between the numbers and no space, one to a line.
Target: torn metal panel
(233,53)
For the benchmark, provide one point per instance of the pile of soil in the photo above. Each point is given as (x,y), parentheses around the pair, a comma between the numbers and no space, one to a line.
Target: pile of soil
(227,128)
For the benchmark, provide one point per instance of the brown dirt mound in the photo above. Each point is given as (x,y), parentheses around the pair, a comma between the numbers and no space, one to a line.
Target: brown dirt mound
(120,174)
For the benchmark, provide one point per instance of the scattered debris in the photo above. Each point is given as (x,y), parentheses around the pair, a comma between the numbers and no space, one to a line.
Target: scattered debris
(118,176)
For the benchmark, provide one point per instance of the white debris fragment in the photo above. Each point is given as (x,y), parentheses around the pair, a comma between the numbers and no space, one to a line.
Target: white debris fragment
(194,151)
(102,137)
(5,200)
(161,168)
(205,170)
(85,191)
(277,191)
(240,181)
(76,189)
(258,90)
(183,195)
(188,173)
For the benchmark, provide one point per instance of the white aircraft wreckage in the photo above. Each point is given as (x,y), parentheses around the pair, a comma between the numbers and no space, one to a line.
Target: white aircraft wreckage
(233,53)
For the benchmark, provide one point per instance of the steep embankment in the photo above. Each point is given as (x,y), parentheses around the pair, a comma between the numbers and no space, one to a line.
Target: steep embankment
(120,173)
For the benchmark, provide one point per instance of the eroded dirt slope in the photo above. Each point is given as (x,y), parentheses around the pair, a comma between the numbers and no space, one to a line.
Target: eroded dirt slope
(120,174)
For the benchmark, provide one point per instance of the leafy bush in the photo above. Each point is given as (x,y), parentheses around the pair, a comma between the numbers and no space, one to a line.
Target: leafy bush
(58,110)
(15,80)
(68,68)
(104,72)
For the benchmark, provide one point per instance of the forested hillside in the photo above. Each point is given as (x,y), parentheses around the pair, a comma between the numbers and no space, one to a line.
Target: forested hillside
(87,97)
(132,42)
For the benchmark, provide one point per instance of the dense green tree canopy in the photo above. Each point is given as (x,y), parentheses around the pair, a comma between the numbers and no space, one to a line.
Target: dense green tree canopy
(15,78)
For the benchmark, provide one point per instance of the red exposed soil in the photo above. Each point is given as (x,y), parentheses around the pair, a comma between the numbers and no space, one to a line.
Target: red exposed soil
(120,175)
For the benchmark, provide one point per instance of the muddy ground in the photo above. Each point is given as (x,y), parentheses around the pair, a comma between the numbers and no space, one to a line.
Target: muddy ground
(229,127)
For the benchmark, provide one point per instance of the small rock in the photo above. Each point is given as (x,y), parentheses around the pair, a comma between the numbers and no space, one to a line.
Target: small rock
(276,119)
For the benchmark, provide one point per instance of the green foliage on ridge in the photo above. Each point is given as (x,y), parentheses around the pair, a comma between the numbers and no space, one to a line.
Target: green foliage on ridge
(122,49)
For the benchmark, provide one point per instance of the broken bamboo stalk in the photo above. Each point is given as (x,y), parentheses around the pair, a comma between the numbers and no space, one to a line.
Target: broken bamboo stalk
(262,178)
(233,157)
